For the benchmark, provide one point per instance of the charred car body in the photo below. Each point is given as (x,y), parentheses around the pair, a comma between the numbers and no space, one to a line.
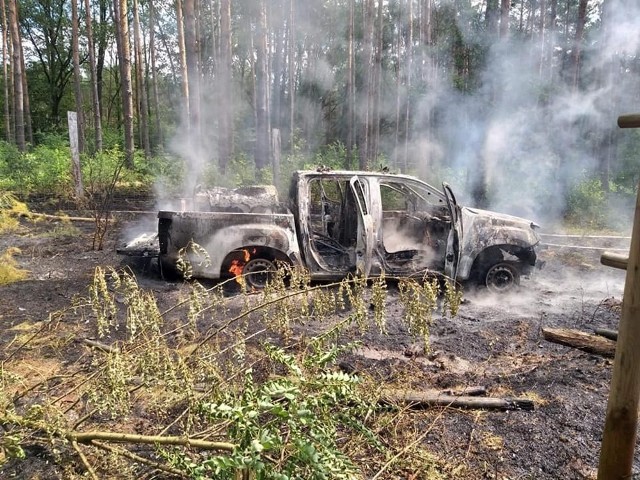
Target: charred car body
(340,222)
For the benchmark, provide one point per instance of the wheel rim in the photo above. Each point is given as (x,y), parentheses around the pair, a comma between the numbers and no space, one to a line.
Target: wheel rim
(501,278)
(257,272)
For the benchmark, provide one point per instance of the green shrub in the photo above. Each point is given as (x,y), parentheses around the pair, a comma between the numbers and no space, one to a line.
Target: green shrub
(586,204)
(590,206)
(9,159)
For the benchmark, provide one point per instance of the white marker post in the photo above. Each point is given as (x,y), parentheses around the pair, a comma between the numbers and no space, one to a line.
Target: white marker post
(76,171)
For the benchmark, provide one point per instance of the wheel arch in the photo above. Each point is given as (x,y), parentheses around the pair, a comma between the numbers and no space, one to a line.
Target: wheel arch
(253,251)
(522,257)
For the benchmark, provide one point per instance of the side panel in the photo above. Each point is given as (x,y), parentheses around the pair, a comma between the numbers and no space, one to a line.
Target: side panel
(221,233)
(485,229)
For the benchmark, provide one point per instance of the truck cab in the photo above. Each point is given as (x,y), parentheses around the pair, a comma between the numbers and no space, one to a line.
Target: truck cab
(369,223)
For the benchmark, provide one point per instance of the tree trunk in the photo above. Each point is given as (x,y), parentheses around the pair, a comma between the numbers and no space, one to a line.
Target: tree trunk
(141,72)
(491,17)
(77,75)
(158,136)
(183,57)
(125,80)
(292,75)
(542,35)
(350,86)
(193,67)
(102,48)
(279,53)
(551,29)
(377,84)
(262,150)
(95,97)
(28,129)
(225,139)
(576,59)
(8,130)
(505,5)
(408,85)
(365,118)
(16,68)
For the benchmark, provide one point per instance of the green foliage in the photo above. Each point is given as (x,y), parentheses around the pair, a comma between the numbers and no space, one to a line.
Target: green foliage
(420,300)
(99,170)
(45,169)
(626,173)
(288,427)
(165,172)
(590,206)
(279,404)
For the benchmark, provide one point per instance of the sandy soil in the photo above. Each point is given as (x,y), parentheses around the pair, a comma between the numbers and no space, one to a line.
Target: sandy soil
(493,342)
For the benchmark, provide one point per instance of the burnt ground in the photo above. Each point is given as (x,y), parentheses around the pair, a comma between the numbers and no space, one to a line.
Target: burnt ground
(494,341)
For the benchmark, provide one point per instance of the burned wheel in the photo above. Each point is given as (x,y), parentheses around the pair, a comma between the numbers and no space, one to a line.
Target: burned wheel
(502,277)
(258,272)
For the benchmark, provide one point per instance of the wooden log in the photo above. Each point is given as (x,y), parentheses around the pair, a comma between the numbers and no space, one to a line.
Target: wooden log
(581,340)
(629,121)
(620,426)
(614,260)
(436,399)
(468,391)
(606,333)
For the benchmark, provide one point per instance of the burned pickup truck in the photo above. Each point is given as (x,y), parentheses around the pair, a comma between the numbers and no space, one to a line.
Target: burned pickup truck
(335,223)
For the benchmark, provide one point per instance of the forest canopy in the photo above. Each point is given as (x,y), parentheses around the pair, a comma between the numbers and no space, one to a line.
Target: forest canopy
(514,102)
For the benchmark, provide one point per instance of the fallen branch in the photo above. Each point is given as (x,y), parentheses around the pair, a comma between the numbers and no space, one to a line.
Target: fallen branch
(51,217)
(467,391)
(88,437)
(581,340)
(85,462)
(99,345)
(137,458)
(606,333)
(436,399)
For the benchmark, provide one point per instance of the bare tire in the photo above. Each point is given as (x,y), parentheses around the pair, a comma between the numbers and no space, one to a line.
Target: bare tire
(258,272)
(502,277)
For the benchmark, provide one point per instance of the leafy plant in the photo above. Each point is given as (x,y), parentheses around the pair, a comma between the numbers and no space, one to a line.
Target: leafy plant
(288,427)
(247,396)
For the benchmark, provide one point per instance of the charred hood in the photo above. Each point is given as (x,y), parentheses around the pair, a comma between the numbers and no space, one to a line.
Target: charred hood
(499,227)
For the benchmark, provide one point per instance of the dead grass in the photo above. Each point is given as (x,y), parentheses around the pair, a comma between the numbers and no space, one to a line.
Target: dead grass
(10,272)
(9,207)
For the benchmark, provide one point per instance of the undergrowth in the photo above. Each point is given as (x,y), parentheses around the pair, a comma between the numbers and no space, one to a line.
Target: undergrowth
(10,209)
(10,272)
(238,380)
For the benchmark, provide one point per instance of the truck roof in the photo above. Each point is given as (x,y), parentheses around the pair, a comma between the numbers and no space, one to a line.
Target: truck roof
(350,173)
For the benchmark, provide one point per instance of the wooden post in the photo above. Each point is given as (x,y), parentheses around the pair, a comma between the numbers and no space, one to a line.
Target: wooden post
(614,260)
(76,171)
(629,121)
(619,437)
